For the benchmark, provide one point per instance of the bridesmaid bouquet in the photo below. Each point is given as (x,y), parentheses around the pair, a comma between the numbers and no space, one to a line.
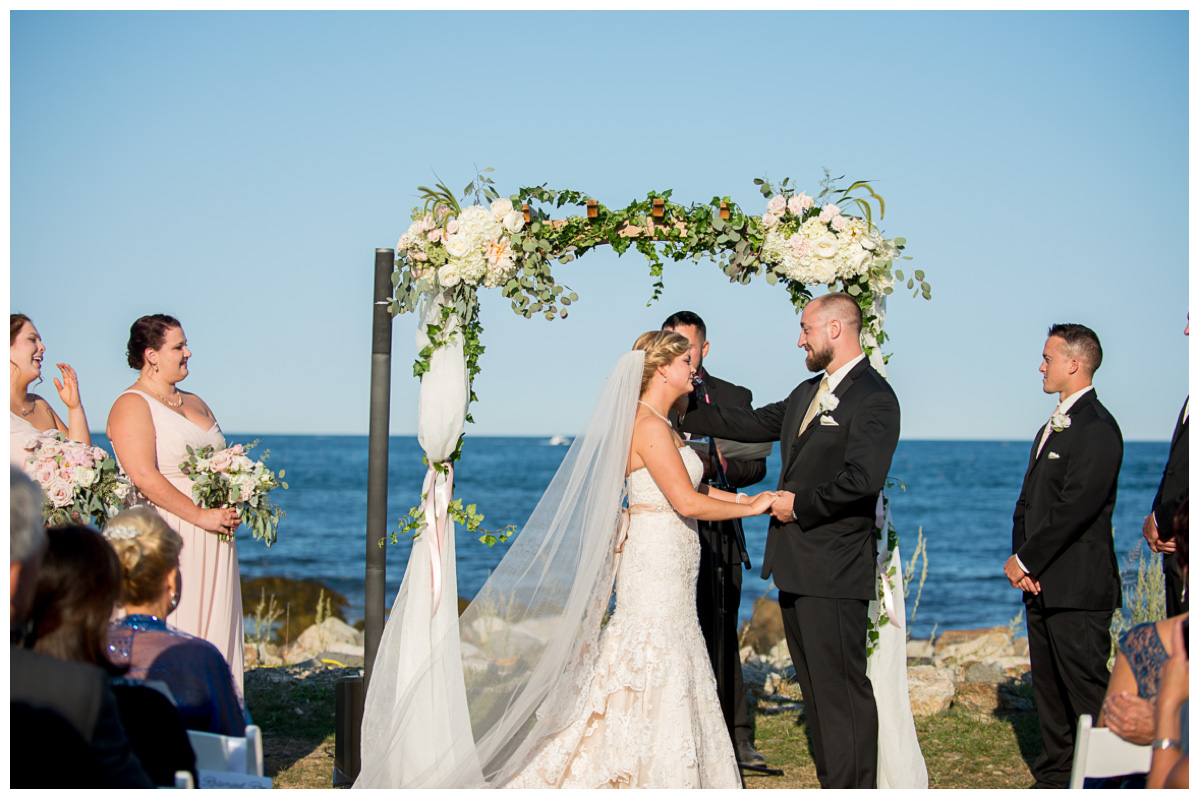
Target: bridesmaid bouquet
(78,480)
(222,478)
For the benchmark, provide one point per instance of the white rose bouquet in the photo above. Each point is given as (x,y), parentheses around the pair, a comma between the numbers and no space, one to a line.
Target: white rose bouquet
(819,245)
(78,480)
(222,478)
(473,247)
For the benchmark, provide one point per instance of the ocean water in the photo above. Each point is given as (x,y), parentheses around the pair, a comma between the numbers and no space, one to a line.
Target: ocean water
(959,494)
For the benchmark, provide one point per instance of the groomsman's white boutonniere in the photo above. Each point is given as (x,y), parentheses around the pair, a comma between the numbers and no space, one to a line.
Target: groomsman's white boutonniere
(826,403)
(1059,421)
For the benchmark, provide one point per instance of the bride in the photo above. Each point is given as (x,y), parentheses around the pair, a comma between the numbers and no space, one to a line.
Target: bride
(537,695)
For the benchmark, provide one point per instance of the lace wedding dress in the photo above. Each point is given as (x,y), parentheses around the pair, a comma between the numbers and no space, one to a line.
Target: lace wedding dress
(649,717)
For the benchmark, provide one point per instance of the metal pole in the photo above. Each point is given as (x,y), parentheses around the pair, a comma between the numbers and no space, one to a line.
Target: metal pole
(377,459)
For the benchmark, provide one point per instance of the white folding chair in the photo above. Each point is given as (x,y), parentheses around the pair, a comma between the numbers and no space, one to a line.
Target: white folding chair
(1100,753)
(237,754)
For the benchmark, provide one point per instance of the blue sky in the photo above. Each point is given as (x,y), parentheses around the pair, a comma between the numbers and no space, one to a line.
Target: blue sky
(237,170)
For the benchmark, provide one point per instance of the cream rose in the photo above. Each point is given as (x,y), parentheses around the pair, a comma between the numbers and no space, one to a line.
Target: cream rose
(514,221)
(449,275)
(826,246)
(501,208)
(85,476)
(456,246)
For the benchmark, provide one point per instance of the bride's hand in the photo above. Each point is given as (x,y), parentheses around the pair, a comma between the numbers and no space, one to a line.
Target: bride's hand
(219,520)
(761,503)
(68,388)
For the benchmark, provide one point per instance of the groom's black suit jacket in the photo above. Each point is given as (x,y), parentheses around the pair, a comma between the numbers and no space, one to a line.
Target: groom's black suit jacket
(1062,525)
(836,473)
(1173,489)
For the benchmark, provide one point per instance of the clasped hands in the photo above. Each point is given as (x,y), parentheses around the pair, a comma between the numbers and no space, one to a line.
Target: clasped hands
(777,504)
(1150,533)
(1019,578)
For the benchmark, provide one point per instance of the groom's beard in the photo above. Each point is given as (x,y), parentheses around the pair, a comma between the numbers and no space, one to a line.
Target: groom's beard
(818,360)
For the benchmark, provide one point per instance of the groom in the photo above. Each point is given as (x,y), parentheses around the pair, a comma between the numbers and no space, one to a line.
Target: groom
(837,433)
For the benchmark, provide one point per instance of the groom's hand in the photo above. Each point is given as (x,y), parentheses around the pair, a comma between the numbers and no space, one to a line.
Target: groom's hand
(781,509)
(1019,578)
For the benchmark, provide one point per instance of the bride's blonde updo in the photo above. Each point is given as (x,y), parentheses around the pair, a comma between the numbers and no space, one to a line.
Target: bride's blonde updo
(662,347)
(148,551)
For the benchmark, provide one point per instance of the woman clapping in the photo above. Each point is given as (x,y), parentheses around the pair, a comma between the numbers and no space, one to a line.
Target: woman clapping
(29,414)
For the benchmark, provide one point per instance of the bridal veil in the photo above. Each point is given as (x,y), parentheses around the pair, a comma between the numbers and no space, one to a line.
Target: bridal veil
(469,708)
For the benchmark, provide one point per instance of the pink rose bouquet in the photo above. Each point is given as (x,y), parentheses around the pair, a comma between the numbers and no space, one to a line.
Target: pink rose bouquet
(223,478)
(80,482)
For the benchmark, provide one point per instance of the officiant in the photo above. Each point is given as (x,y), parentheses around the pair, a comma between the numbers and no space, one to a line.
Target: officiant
(730,466)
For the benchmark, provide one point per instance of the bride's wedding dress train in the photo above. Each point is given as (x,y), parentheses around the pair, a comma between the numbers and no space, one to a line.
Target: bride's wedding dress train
(649,717)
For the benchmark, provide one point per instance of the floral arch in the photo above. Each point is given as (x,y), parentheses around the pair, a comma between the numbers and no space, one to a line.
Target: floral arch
(451,252)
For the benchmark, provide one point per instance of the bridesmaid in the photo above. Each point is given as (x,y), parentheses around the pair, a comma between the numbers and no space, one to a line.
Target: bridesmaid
(151,426)
(29,414)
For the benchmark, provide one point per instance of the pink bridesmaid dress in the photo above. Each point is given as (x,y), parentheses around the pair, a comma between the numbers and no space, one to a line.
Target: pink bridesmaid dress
(211,602)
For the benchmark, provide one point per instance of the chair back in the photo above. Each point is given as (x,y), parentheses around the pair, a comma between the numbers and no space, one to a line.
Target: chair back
(217,753)
(1100,753)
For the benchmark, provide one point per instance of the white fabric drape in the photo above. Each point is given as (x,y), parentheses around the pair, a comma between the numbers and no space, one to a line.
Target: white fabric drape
(463,705)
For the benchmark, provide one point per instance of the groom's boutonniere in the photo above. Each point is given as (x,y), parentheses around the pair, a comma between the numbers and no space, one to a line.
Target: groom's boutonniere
(827,402)
(1059,421)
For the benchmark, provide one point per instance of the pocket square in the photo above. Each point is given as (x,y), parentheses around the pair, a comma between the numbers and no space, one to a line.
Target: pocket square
(828,420)
(1053,454)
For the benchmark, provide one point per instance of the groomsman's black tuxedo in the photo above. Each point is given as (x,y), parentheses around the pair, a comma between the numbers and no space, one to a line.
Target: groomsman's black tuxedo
(1062,534)
(823,561)
(1172,491)
(718,536)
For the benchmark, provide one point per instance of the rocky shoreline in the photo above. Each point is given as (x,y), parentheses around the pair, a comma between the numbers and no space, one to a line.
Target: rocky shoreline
(983,671)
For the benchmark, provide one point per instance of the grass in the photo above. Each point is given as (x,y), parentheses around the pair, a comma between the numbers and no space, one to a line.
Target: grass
(962,750)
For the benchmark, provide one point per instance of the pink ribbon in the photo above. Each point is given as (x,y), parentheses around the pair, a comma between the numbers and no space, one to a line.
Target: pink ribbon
(437,508)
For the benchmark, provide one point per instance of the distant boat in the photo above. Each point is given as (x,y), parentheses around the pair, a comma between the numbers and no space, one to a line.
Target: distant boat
(559,440)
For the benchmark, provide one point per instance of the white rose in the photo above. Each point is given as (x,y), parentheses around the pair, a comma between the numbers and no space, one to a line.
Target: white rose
(501,208)
(121,489)
(827,402)
(859,263)
(456,246)
(449,275)
(514,221)
(826,246)
(776,205)
(823,270)
(85,476)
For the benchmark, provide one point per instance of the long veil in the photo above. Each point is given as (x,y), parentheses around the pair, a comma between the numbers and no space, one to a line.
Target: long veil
(513,669)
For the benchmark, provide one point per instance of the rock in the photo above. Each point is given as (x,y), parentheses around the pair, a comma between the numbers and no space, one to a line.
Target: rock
(930,690)
(977,698)
(295,603)
(753,678)
(919,648)
(976,672)
(765,627)
(983,644)
(920,662)
(1020,647)
(331,633)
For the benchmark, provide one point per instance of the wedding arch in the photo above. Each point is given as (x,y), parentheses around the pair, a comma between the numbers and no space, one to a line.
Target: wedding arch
(451,251)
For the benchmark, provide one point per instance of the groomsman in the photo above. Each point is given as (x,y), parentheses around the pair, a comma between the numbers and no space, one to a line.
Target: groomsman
(1063,558)
(837,433)
(1159,527)
(720,579)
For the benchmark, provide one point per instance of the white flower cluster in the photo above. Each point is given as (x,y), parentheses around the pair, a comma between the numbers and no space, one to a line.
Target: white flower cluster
(474,248)
(825,247)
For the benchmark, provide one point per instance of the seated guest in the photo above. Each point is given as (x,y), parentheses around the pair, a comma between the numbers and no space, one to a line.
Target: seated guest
(193,669)
(65,730)
(1169,758)
(1128,709)
(77,587)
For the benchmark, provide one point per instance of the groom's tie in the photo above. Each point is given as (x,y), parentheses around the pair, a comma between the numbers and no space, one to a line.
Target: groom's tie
(814,405)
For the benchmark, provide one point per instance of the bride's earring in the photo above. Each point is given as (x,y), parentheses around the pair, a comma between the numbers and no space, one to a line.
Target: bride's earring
(153,364)
(174,602)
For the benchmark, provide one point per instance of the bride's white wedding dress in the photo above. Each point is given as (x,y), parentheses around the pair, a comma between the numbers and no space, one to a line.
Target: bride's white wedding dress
(649,717)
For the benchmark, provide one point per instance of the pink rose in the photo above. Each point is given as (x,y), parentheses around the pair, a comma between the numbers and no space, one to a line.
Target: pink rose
(66,472)
(59,493)
(427,222)
(801,246)
(452,226)
(44,472)
(776,205)
(222,461)
(80,456)
(98,454)
(838,222)
(435,235)
(769,220)
(419,257)
(237,449)
(796,203)
(828,212)
(806,202)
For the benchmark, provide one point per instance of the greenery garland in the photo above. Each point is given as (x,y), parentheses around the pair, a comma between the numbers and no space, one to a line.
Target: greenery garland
(454,250)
